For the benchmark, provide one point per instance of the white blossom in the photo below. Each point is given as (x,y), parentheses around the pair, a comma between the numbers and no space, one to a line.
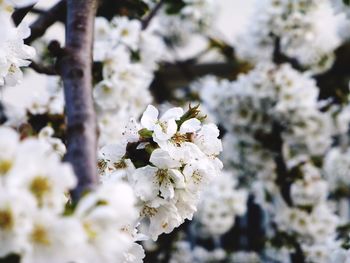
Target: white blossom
(220,203)
(164,127)
(300,27)
(180,163)
(14,54)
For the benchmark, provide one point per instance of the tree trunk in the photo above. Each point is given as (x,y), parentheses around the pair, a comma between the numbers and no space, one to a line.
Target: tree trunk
(75,67)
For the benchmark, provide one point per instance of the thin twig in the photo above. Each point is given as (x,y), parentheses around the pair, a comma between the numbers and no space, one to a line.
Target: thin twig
(19,14)
(47,19)
(38,11)
(3,117)
(147,20)
(279,58)
(39,68)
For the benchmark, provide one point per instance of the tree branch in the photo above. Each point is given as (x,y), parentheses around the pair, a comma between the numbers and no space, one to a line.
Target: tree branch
(20,13)
(3,117)
(39,68)
(47,19)
(37,11)
(285,177)
(75,67)
(280,58)
(154,11)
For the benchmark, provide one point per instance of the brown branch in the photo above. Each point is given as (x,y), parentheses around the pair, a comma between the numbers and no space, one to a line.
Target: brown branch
(47,19)
(3,117)
(39,68)
(285,177)
(147,20)
(279,58)
(19,14)
(75,67)
(37,11)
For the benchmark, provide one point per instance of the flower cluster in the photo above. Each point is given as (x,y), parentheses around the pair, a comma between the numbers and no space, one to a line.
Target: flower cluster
(209,89)
(336,162)
(14,54)
(299,26)
(341,6)
(337,169)
(167,160)
(309,193)
(52,102)
(274,111)
(196,16)
(285,148)
(13,115)
(37,221)
(339,256)
(126,57)
(183,253)
(271,96)
(143,47)
(47,134)
(220,203)
(315,231)
(129,56)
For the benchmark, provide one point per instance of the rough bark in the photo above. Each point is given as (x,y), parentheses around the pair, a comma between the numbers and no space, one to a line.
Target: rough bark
(75,67)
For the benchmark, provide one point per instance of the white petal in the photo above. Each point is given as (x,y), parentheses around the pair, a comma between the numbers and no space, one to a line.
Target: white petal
(167,189)
(113,152)
(178,178)
(171,128)
(211,130)
(144,184)
(13,77)
(160,135)
(149,117)
(190,125)
(174,113)
(23,30)
(163,160)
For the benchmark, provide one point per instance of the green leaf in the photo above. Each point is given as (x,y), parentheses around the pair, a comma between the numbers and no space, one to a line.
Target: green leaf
(347,2)
(145,133)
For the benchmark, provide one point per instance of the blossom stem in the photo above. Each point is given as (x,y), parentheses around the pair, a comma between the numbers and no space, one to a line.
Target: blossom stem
(75,67)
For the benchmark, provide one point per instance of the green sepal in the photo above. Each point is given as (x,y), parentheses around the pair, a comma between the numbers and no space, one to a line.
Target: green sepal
(145,133)
(192,112)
